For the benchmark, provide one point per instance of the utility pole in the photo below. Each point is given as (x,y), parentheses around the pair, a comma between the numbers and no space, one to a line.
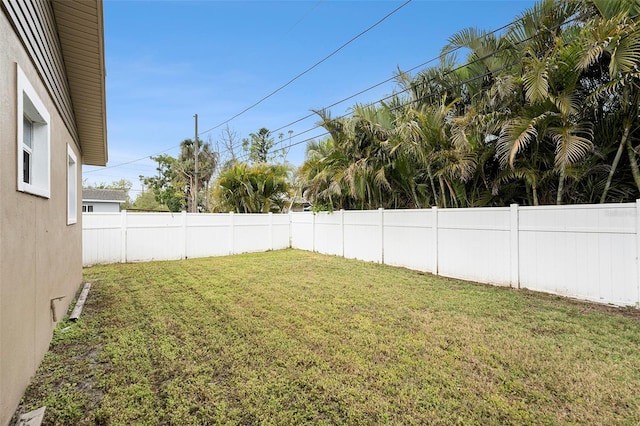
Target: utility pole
(195,178)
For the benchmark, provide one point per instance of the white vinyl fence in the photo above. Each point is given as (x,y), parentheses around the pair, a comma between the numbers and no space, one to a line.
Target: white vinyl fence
(136,237)
(587,252)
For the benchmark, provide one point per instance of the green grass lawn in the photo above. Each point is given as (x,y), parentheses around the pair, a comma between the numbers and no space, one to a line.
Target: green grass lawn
(292,337)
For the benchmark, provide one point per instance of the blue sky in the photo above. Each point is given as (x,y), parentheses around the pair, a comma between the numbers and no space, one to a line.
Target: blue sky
(168,60)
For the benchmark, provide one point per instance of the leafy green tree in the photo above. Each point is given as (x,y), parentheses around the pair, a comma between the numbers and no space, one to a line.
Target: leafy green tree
(258,146)
(146,200)
(542,114)
(207,165)
(174,184)
(256,188)
(169,186)
(120,185)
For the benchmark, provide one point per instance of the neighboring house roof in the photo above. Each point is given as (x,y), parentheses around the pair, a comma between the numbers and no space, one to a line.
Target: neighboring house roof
(81,30)
(104,195)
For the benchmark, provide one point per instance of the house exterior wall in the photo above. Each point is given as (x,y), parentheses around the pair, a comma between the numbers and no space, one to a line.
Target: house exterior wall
(40,255)
(103,206)
(35,26)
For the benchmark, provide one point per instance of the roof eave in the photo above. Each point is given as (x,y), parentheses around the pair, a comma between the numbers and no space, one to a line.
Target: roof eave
(81,54)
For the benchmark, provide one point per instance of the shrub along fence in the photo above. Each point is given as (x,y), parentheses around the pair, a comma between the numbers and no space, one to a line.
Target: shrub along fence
(587,252)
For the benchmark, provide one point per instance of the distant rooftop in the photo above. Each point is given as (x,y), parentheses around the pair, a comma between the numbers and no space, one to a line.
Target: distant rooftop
(104,195)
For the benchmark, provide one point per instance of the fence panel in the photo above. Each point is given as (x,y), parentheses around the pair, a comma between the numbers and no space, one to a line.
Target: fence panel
(363,235)
(154,236)
(473,244)
(328,233)
(208,235)
(251,233)
(281,238)
(302,230)
(408,239)
(586,252)
(101,238)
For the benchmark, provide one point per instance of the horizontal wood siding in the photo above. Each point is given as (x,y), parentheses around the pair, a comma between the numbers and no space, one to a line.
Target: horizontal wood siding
(34,22)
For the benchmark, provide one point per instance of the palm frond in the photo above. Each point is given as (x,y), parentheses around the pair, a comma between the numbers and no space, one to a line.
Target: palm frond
(572,143)
(514,137)
(536,79)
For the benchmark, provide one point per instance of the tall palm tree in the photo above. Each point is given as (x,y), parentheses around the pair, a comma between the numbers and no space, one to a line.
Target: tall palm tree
(610,41)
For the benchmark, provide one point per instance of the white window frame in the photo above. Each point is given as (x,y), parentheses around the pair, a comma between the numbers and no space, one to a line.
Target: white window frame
(31,107)
(72,186)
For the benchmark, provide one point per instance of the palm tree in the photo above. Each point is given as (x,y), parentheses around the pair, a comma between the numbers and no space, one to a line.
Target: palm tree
(257,188)
(610,41)
(207,164)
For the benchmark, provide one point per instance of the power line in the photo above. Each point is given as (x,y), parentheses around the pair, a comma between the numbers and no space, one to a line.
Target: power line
(449,52)
(444,89)
(132,161)
(310,68)
(439,57)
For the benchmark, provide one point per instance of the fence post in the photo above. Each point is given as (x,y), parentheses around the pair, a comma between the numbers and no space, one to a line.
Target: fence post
(183,251)
(123,236)
(434,244)
(231,234)
(514,252)
(290,229)
(313,231)
(342,229)
(381,213)
(638,253)
(271,231)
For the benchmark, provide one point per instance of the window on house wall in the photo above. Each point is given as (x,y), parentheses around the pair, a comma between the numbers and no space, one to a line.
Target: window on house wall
(72,187)
(34,145)
(87,209)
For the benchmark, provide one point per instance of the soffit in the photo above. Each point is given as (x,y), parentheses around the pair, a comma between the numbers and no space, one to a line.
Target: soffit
(80,28)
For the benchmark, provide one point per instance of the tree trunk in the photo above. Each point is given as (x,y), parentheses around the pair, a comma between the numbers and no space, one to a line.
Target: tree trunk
(443,196)
(534,189)
(560,188)
(433,185)
(206,196)
(454,198)
(415,196)
(634,164)
(616,160)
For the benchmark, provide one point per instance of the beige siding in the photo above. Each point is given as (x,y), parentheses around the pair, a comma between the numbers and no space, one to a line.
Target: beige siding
(35,23)
(40,255)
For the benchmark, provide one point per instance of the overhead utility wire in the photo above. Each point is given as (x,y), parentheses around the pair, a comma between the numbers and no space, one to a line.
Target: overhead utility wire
(309,69)
(440,92)
(384,82)
(325,107)
(362,91)
(409,70)
(132,161)
(482,58)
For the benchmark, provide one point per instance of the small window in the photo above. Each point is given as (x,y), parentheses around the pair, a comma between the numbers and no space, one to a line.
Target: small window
(72,187)
(27,149)
(33,140)
(87,209)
